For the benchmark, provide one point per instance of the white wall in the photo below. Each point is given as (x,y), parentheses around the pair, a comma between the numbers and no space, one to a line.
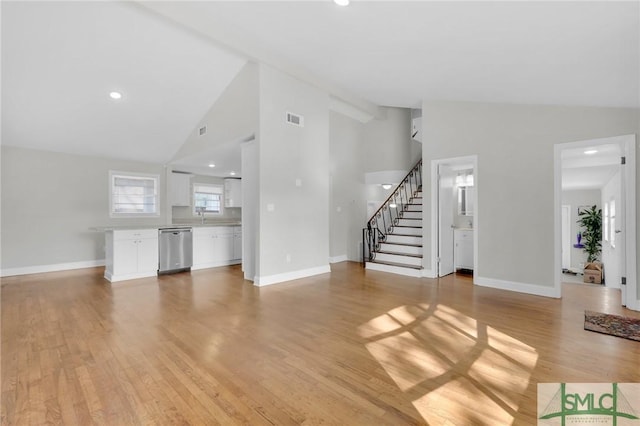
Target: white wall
(232,117)
(347,209)
(574,199)
(380,145)
(387,141)
(515,178)
(50,200)
(294,237)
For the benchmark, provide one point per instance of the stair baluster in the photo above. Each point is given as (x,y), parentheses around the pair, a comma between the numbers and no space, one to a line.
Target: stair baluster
(399,203)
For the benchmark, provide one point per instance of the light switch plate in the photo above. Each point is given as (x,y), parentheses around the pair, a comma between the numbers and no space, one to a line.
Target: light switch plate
(271,207)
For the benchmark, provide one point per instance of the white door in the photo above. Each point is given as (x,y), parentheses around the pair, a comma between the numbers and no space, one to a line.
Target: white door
(613,247)
(566,237)
(446,180)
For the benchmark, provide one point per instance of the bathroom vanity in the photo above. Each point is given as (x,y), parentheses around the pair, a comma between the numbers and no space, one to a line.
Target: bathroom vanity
(463,248)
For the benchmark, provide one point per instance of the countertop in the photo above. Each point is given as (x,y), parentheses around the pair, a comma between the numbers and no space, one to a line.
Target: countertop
(172,225)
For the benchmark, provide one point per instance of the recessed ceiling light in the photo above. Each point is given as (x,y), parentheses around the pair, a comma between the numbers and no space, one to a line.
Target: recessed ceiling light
(232,173)
(341,2)
(591,151)
(115,95)
(212,165)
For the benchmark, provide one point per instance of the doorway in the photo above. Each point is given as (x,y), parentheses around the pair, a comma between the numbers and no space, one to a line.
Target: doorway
(454,189)
(601,173)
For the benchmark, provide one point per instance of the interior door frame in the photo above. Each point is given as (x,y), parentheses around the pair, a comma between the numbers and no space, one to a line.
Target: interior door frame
(469,159)
(627,144)
(445,222)
(566,232)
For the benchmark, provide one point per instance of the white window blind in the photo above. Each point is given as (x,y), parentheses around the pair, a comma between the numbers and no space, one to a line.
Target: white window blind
(207,199)
(134,194)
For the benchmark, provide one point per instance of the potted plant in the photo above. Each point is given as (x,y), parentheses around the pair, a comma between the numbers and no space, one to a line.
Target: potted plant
(591,220)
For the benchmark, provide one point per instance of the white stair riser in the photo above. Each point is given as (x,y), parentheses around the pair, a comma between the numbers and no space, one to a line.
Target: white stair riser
(404,239)
(401,249)
(412,215)
(417,261)
(414,208)
(410,222)
(408,231)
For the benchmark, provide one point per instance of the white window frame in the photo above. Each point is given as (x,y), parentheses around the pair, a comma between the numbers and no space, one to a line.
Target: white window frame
(113,174)
(216,189)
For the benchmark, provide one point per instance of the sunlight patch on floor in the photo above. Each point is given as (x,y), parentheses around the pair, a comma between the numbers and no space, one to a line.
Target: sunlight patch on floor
(451,367)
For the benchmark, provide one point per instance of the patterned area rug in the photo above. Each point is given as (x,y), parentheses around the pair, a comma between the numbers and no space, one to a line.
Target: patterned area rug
(626,327)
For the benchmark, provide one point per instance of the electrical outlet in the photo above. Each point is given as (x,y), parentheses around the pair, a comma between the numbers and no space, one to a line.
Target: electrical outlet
(288,257)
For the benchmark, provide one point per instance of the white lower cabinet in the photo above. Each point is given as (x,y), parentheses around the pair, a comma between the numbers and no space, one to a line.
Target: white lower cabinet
(131,254)
(134,253)
(463,252)
(214,246)
(237,242)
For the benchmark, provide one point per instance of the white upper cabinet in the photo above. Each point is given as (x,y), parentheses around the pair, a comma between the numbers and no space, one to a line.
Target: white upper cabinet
(232,192)
(180,189)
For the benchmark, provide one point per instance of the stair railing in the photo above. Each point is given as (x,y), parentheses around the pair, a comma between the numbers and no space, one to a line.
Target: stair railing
(390,212)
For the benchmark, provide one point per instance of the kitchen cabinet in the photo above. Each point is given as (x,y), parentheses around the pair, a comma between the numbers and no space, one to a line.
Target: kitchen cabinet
(463,248)
(131,254)
(214,246)
(232,192)
(237,242)
(180,189)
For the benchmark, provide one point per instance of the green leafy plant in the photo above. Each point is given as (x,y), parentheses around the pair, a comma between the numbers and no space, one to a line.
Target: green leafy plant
(591,220)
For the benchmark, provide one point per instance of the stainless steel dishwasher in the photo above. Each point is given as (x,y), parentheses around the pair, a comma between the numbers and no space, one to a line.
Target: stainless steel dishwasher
(176,250)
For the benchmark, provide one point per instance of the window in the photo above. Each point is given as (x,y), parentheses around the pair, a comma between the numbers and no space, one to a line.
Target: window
(207,199)
(133,194)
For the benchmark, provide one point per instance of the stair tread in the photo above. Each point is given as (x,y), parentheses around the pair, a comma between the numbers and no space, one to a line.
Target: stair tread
(406,226)
(401,265)
(402,244)
(406,235)
(395,253)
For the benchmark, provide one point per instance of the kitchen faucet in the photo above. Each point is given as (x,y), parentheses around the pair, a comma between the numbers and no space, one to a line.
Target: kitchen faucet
(200,211)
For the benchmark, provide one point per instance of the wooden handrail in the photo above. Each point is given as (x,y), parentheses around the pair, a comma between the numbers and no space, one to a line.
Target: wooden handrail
(406,178)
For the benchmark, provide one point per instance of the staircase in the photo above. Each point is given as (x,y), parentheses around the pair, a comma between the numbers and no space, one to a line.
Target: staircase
(392,240)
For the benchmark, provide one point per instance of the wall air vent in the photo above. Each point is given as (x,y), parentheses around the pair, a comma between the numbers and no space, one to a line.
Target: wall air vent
(202,130)
(295,119)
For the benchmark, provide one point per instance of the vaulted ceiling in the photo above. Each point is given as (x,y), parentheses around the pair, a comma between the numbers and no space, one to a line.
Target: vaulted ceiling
(171,60)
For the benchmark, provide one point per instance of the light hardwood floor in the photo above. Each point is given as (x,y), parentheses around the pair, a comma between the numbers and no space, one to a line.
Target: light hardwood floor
(353,347)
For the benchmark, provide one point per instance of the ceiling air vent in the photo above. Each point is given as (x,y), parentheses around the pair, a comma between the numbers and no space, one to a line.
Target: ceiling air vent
(295,119)
(202,130)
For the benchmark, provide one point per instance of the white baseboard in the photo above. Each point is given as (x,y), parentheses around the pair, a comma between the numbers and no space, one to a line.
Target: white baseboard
(536,290)
(215,264)
(428,273)
(288,276)
(338,259)
(8,272)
